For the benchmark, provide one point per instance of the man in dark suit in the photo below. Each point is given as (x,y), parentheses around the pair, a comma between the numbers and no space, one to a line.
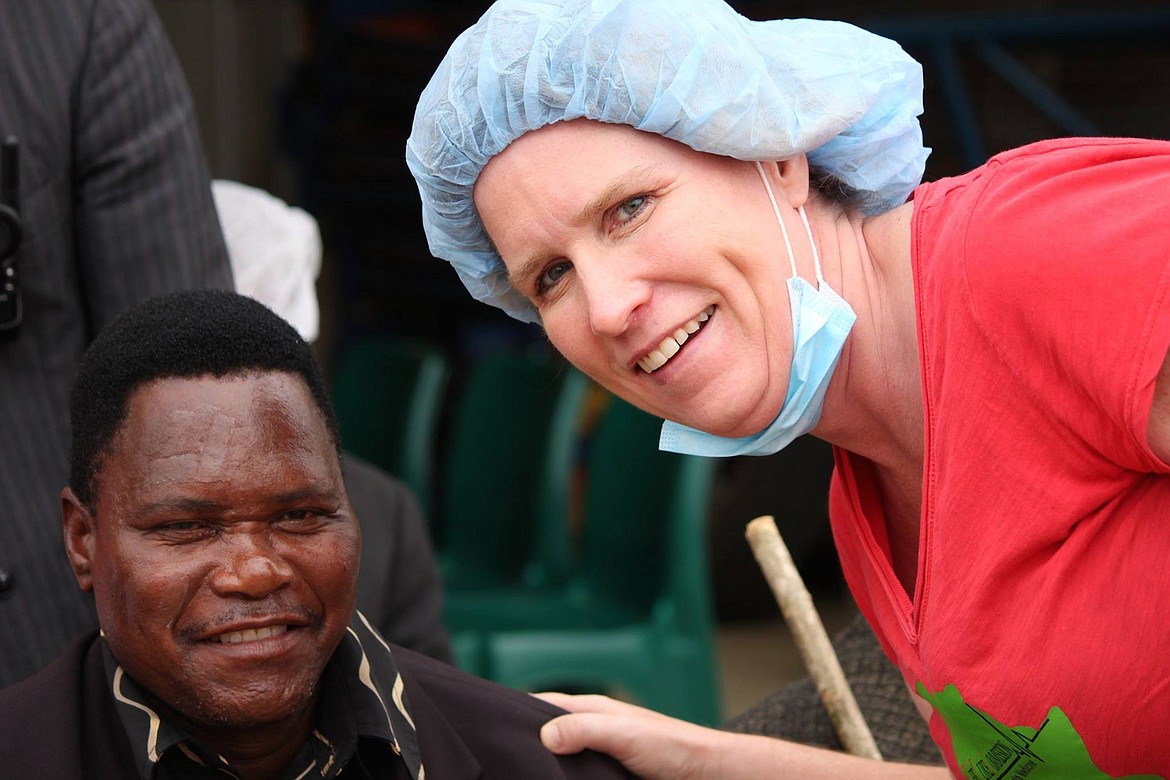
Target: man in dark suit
(115,206)
(207,513)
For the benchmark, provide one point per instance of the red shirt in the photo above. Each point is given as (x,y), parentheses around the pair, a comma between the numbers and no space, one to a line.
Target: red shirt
(1040,622)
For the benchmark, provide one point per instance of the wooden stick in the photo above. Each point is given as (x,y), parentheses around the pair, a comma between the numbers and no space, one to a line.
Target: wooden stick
(812,641)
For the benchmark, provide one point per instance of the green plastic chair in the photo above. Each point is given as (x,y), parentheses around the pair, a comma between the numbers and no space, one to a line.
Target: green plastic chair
(636,620)
(506,470)
(388,394)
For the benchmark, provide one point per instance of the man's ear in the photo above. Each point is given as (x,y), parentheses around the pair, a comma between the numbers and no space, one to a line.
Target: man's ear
(79,529)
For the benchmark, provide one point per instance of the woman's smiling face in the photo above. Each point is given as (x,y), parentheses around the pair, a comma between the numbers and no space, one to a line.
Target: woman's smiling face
(657,270)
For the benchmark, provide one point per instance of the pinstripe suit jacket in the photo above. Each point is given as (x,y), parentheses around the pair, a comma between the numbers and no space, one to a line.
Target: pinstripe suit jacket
(116,206)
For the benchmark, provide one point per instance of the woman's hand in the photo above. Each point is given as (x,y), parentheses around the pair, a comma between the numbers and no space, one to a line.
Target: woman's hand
(651,745)
(656,747)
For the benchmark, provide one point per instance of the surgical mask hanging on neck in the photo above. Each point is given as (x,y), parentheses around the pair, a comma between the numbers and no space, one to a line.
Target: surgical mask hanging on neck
(821,321)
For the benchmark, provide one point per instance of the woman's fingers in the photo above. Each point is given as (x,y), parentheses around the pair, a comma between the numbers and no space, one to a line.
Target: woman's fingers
(588,702)
(649,744)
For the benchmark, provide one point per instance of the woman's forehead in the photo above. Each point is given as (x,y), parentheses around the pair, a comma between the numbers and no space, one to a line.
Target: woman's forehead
(566,156)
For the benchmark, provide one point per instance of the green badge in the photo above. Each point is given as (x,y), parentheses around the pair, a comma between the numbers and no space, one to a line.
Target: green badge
(985,749)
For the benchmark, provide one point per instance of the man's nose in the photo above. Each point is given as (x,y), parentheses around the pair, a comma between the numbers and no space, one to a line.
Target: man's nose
(614,292)
(252,567)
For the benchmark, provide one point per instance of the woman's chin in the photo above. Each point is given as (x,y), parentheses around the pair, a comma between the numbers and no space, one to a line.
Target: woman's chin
(731,426)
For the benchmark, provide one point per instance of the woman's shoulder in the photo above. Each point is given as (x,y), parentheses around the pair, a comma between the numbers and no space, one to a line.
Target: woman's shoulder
(1080,151)
(1049,212)
(1054,260)
(1027,176)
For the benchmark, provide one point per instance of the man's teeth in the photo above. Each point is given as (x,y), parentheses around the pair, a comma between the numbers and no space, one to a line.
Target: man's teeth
(251,634)
(672,344)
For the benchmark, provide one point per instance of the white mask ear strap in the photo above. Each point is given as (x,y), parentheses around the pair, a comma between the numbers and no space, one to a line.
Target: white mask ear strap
(816,255)
(783,227)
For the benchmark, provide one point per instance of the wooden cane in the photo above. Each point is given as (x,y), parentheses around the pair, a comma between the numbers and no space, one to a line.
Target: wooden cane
(815,648)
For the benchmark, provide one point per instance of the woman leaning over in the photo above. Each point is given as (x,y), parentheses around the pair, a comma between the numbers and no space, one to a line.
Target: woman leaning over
(721,221)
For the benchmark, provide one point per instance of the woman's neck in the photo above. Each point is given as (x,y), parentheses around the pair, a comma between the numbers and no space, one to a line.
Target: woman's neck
(874,405)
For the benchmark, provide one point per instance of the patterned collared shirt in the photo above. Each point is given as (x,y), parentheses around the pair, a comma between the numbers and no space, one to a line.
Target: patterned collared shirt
(363,728)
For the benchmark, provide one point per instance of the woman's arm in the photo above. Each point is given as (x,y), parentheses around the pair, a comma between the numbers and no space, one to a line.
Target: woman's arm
(657,747)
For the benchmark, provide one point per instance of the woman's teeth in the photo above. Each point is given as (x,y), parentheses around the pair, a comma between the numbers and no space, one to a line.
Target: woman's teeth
(251,634)
(673,343)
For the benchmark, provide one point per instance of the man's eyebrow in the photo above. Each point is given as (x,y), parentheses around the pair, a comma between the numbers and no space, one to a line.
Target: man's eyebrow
(618,187)
(310,493)
(190,506)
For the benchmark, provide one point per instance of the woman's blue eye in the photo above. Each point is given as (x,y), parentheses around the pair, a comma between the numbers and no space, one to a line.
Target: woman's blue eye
(630,208)
(552,275)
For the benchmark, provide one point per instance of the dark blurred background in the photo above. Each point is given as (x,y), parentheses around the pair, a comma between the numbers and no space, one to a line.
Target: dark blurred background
(313,101)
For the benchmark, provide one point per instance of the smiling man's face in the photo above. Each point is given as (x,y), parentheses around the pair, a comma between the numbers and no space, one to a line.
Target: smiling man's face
(222,550)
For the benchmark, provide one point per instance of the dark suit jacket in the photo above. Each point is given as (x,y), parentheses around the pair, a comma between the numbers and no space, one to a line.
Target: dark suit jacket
(116,206)
(61,725)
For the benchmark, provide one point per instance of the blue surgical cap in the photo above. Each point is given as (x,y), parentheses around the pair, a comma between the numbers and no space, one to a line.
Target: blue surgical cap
(691,70)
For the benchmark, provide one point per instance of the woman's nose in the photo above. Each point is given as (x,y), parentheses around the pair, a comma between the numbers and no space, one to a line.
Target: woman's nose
(615,294)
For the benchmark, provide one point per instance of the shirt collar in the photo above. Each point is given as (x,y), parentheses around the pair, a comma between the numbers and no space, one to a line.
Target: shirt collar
(363,708)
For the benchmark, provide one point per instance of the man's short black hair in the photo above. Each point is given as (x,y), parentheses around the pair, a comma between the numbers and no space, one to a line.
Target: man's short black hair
(186,334)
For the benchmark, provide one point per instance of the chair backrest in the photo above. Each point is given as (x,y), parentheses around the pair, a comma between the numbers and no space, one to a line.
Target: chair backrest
(508,460)
(646,520)
(388,394)
(551,559)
